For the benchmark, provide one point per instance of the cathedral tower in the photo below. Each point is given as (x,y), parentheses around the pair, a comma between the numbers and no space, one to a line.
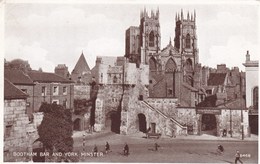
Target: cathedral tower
(150,36)
(186,39)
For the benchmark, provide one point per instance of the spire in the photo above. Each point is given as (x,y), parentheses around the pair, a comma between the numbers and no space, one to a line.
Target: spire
(194,15)
(152,14)
(81,65)
(181,15)
(141,14)
(170,42)
(176,17)
(145,13)
(188,16)
(191,18)
(157,13)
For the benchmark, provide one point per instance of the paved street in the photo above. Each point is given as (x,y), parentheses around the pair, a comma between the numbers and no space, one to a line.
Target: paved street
(175,150)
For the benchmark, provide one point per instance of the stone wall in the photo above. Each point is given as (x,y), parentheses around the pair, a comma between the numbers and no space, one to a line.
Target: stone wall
(19,132)
(82,92)
(231,119)
(108,100)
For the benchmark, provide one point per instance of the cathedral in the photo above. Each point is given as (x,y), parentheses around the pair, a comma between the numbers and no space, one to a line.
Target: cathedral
(173,69)
(166,91)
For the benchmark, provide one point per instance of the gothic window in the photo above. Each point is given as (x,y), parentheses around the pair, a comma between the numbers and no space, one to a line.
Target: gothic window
(170,66)
(101,76)
(188,45)
(115,79)
(152,64)
(151,39)
(188,65)
(255,97)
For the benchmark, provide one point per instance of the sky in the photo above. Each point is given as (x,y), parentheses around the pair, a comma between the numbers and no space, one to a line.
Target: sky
(48,34)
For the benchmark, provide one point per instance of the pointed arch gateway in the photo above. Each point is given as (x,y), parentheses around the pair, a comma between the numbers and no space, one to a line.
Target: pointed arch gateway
(170,69)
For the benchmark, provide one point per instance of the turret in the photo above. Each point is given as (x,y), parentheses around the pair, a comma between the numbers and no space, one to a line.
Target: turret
(247,56)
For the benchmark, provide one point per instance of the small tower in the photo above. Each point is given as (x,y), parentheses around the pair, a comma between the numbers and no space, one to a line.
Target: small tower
(150,35)
(185,40)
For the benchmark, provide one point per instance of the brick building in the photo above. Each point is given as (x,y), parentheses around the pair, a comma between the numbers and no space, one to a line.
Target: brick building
(42,87)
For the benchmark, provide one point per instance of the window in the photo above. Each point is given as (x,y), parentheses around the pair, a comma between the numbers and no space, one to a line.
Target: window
(115,79)
(150,81)
(209,91)
(43,91)
(169,91)
(64,103)
(64,90)
(187,40)
(255,98)
(55,101)
(55,90)
(151,39)
(8,130)
(101,77)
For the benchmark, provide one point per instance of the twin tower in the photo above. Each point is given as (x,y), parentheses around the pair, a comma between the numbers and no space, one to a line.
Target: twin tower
(145,41)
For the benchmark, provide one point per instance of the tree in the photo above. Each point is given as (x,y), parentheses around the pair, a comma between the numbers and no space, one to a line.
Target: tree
(55,131)
(20,64)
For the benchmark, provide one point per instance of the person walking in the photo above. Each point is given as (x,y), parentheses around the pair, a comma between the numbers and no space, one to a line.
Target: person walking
(220,149)
(156,146)
(107,147)
(95,150)
(237,155)
(126,149)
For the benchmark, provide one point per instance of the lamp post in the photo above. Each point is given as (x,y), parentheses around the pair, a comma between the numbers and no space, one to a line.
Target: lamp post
(83,143)
(230,122)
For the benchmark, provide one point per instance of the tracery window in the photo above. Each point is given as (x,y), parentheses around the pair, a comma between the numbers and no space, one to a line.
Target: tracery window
(151,39)
(188,44)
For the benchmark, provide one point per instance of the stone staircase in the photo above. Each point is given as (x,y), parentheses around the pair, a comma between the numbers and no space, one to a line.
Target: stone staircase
(165,116)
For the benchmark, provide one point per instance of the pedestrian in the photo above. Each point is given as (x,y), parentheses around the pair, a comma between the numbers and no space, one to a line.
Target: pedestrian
(237,157)
(156,146)
(107,147)
(126,149)
(220,149)
(95,150)
(224,133)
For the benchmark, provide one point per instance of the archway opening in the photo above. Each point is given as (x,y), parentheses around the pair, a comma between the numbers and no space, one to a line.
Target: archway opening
(76,125)
(114,122)
(142,122)
(209,124)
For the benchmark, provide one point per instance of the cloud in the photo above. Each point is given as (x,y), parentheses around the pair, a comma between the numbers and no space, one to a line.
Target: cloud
(64,33)
(233,53)
(226,37)
(34,53)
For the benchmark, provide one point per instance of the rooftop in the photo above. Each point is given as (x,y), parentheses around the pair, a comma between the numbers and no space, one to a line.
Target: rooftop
(17,77)
(11,92)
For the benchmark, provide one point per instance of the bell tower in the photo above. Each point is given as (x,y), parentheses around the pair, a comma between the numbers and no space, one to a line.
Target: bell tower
(186,38)
(150,35)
